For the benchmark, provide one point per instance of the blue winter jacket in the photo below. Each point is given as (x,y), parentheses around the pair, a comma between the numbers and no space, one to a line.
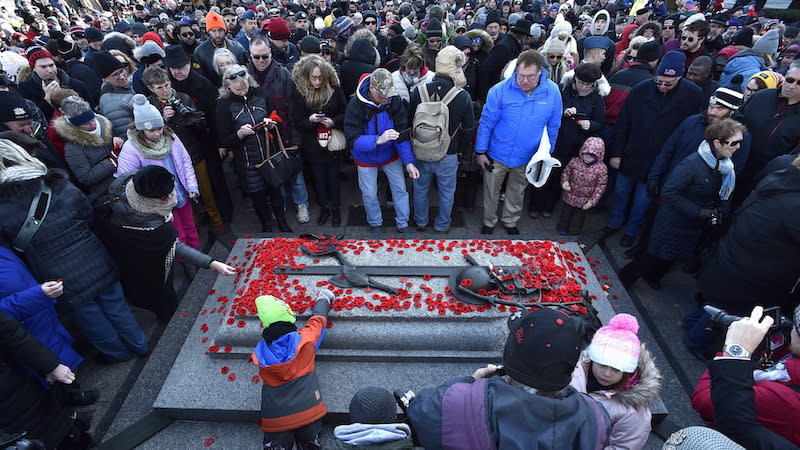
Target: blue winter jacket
(512,122)
(745,63)
(21,297)
(365,121)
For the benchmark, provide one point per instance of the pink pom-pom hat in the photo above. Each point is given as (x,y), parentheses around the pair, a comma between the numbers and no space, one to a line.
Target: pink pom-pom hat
(616,344)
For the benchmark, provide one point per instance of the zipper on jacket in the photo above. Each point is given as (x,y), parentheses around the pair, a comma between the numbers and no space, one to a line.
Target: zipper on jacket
(260,146)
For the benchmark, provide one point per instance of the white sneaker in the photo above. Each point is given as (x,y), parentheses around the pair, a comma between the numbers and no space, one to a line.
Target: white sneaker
(302,213)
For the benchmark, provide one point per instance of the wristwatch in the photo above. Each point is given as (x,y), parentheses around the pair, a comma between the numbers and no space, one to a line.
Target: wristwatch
(737,351)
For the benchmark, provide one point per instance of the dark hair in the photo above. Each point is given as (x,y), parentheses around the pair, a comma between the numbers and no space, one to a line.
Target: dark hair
(759,82)
(154,75)
(529,58)
(258,40)
(701,27)
(722,129)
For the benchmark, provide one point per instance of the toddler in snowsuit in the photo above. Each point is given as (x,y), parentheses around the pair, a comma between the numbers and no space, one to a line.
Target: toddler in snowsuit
(291,406)
(583,181)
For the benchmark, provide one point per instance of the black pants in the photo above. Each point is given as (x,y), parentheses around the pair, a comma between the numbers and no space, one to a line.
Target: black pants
(545,198)
(571,219)
(306,438)
(326,183)
(222,194)
(267,202)
(645,265)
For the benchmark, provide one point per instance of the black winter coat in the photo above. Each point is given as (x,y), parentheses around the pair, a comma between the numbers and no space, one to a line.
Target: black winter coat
(192,133)
(491,69)
(203,58)
(775,127)
(64,247)
(233,112)
(646,121)
(79,70)
(279,90)
(203,94)
(24,404)
(361,61)
(570,135)
(309,146)
(756,262)
(691,187)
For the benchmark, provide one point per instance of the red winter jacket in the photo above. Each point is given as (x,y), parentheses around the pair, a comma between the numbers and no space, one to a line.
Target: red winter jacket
(776,403)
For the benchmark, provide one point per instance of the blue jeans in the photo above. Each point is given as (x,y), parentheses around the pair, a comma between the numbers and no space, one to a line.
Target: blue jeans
(368,183)
(624,188)
(297,188)
(109,325)
(445,171)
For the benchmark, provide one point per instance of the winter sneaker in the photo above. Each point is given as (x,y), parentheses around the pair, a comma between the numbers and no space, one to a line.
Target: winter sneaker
(302,213)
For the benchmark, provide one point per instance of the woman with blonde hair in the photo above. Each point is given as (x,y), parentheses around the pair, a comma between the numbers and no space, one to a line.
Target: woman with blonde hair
(318,110)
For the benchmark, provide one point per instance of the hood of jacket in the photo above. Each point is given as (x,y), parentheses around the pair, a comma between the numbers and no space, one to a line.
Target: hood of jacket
(363,33)
(362,51)
(644,390)
(122,213)
(782,181)
(624,41)
(607,16)
(71,133)
(362,92)
(487,40)
(747,52)
(594,146)
(603,87)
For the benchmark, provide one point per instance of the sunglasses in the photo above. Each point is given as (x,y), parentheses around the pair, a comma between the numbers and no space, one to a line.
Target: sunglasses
(790,80)
(556,57)
(687,38)
(668,27)
(189,34)
(236,75)
(665,83)
(260,56)
(370,22)
(733,143)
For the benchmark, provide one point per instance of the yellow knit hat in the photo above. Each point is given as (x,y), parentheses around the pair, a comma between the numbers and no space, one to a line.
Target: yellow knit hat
(768,77)
(271,310)
(214,20)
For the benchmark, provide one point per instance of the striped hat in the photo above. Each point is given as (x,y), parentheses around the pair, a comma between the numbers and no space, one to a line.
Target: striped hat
(728,98)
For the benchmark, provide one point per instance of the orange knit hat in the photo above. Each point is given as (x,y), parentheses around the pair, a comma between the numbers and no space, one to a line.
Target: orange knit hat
(214,20)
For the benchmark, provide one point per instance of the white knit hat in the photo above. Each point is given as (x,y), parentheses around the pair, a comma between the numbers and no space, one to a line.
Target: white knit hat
(616,344)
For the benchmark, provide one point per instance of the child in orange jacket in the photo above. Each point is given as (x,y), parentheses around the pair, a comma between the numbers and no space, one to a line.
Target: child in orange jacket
(291,405)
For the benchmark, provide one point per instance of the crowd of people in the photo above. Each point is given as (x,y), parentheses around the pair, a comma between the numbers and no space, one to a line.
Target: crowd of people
(116,119)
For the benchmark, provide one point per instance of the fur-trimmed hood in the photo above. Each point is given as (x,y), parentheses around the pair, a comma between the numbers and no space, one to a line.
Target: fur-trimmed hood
(487,40)
(607,16)
(643,391)
(603,87)
(300,77)
(73,134)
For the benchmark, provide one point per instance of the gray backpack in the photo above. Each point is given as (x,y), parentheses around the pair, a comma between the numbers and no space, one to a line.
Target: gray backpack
(430,136)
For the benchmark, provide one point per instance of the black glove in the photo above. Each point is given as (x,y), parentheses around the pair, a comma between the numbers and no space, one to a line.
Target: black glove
(652,188)
(706,213)
(323,305)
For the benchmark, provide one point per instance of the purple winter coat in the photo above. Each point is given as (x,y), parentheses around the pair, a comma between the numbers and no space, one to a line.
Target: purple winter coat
(130,159)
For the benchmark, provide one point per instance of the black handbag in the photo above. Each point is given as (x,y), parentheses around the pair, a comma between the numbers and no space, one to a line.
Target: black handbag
(277,168)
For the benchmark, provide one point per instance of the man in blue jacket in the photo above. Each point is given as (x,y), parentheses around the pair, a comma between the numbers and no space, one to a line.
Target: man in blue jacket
(517,112)
(376,128)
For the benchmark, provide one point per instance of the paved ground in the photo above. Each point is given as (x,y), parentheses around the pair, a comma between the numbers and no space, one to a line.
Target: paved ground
(130,388)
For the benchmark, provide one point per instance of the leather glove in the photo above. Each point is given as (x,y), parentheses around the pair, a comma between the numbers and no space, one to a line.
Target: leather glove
(652,189)
(323,305)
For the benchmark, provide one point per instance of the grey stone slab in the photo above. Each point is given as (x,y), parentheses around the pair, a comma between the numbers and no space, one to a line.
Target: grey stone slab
(207,435)
(412,348)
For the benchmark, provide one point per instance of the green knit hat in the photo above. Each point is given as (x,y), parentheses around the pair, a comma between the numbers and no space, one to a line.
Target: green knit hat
(271,310)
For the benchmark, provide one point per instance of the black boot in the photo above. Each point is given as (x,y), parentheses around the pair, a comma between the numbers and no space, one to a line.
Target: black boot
(261,207)
(280,218)
(324,213)
(336,219)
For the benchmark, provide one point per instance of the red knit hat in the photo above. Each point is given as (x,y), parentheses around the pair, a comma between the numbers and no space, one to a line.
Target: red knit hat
(37,53)
(214,20)
(151,36)
(278,29)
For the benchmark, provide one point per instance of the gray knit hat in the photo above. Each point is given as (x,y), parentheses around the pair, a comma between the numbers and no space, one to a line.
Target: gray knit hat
(145,115)
(692,438)
(768,43)
(373,405)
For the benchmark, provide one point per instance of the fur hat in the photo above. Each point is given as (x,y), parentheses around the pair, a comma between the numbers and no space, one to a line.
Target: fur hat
(145,115)
(271,310)
(616,344)
(450,62)
(373,405)
(278,29)
(214,20)
(587,72)
(105,63)
(672,64)
(542,349)
(768,43)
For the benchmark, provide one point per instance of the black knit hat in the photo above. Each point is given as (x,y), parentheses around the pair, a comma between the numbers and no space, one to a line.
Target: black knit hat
(13,107)
(743,37)
(398,44)
(373,405)
(434,28)
(649,51)
(588,72)
(153,182)
(93,34)
(542,349)
(106,63)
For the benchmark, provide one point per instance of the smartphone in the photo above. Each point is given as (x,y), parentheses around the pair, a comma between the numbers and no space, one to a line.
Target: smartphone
(775,313)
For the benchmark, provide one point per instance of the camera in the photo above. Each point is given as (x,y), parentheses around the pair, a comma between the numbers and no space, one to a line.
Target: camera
(780,324)
(178,106)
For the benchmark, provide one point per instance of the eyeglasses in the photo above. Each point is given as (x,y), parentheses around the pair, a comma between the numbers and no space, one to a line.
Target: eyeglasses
(236,75)
(370,22)
(527,77)
(189,34)
(732,143)
(254,56)
(789,80)
(121,73)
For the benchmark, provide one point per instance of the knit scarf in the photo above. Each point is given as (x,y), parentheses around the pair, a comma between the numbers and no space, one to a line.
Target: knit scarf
(21,173)
(725,167)
(152,150)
